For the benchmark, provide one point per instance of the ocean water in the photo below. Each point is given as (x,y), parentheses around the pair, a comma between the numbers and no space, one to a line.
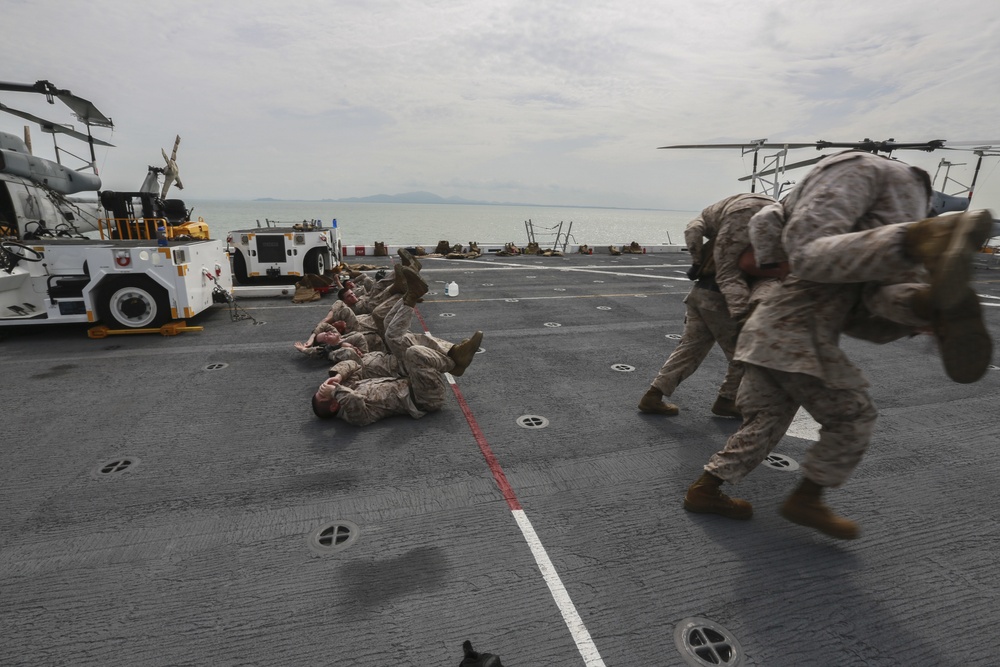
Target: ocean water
(426,224)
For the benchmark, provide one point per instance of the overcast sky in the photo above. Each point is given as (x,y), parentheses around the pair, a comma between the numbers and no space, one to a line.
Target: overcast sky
(530,101)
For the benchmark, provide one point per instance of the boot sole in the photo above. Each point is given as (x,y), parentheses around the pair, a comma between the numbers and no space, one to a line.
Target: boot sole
(823,528)
(972,230)
(662,409)
(700,509)
(965,344)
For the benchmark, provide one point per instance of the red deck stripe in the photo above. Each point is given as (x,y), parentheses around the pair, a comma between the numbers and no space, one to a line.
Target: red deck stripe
(498,475)
(484,447)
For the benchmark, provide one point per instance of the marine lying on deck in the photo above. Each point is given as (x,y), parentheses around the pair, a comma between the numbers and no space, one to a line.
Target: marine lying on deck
(406,380)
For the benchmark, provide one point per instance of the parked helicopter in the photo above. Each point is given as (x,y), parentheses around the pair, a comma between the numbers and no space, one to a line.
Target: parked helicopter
(36,194)
(772,173)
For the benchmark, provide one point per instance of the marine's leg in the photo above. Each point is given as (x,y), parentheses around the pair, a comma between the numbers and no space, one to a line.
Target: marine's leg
(725,330)
(382,310)
(695,344)
(768,412)
(397,326)
(846,418)
(424,368)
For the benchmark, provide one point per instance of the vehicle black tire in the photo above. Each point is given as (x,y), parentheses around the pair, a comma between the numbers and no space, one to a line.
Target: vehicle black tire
(317,261)
(240,268)
(133,302)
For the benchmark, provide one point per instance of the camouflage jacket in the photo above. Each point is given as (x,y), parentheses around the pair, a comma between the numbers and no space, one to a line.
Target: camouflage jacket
(365,401)
(798,326)
(725,223)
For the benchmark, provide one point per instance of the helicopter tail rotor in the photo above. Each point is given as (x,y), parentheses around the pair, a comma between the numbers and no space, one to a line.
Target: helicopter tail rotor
(171,173)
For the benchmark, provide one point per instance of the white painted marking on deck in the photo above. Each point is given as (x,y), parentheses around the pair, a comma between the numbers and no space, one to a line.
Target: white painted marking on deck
(584,643)
(803,426)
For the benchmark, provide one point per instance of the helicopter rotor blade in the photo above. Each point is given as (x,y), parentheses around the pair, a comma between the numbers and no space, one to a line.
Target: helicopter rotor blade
(85,110)
(748,145)
(51,127)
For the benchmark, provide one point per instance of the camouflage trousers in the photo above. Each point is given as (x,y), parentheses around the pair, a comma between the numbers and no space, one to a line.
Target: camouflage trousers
(424,358)
(872,256)
(374,294)
(707,322)
(770,398)
(372,325)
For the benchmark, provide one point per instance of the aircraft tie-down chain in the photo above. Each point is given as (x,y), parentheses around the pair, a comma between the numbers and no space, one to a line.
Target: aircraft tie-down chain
(236,312)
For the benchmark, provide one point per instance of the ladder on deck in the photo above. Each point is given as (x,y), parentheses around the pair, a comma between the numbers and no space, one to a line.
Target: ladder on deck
(559,237)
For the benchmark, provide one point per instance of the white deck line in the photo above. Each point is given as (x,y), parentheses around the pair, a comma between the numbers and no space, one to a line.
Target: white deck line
(581,636)
(584,643)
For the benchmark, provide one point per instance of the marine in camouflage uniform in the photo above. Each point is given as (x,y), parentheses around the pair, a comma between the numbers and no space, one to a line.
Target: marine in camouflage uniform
(843,246)
(370,326)
(360,401)
(716,304)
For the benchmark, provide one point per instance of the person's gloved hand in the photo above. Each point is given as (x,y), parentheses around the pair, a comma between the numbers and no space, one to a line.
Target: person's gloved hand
(693,272)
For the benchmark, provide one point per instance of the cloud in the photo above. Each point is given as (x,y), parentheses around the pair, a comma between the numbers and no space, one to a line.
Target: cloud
(504,99)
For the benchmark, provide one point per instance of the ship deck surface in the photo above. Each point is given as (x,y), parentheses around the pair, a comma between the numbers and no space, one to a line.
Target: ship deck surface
(537,515)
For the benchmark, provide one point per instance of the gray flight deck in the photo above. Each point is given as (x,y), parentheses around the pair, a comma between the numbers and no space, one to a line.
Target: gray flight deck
(171,500)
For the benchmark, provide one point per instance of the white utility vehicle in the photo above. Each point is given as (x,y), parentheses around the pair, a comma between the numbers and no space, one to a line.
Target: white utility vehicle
(148,263)
(283,252)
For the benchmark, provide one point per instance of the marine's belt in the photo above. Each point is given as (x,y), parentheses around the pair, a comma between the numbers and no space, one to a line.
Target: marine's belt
(708,283)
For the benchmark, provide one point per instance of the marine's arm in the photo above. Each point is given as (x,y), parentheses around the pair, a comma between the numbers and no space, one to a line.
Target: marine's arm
(765,229)
(827,208)
(730,243)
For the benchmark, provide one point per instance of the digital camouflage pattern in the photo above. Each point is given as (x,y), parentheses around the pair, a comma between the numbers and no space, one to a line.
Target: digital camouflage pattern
(845,250)
(840,234)
(364,401)
(707,321)
(713,316)
(769,399)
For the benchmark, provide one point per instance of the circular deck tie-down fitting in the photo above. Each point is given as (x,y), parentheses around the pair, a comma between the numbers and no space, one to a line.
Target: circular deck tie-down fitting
(780,462)
(115,467)
(704,643)
(532,421)
(333,537)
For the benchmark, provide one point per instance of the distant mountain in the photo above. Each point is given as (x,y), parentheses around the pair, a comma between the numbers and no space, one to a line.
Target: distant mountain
(422,197)
(408,198)
(403,198)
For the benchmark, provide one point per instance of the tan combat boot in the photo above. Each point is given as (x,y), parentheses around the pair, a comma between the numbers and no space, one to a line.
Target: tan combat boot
(415,286)
(946,245)
(805,507)
(463,353)
(409,260)
(965,344)
(704,497)
(652,403)
(725,407)
(398,285)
